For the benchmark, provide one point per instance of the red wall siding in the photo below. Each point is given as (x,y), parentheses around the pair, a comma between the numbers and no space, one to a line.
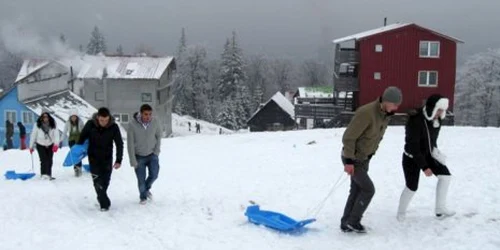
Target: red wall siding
(399,64)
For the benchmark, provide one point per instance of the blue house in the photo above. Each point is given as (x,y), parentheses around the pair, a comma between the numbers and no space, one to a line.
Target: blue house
(15,111)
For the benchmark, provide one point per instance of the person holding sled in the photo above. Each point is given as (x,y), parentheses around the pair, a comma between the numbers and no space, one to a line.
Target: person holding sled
(101,131)
(74,125)
(45,137)
(360,142)
(143,143)
(22,135)
(422,154)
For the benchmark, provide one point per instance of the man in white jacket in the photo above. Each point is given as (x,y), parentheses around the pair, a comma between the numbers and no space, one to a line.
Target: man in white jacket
(46,139)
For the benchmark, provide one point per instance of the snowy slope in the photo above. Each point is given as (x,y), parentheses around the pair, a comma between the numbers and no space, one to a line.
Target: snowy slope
(206,182)
(180,126)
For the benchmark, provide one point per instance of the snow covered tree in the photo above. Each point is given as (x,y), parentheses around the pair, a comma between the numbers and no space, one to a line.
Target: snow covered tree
(181,93)
(97,43)
(281,75)
(477,98)
(257,68)
(226,116)
(119,50)
(314,73)
(197,80)
(182,44)
(232,73)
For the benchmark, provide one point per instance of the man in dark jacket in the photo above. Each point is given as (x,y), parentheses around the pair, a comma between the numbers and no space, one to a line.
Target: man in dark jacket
(101,131)
(361,140)
(22,135)
(422,154)
(9,134)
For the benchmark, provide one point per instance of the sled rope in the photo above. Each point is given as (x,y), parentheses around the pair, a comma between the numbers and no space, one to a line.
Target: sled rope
(315,211)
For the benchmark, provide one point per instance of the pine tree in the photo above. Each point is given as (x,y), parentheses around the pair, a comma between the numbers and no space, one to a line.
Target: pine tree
(181,91)
(226,116)
(97,43)
(226,86)
(119,50)
(182,44)
(62,39)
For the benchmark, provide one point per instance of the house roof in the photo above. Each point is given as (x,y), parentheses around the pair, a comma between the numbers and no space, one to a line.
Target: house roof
(315,92)
(60,105)
(31,66)
(124,67)
(282,102)
(368,33)
(5,92)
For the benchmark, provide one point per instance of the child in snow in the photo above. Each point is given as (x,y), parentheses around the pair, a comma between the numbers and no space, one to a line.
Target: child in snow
(102,131)
(421,153)
(45,137)
(74,125)
(361,140)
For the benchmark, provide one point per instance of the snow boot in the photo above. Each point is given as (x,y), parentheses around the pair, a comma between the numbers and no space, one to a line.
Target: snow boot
(78,171)
(356,227)
(404,201)
(441,193)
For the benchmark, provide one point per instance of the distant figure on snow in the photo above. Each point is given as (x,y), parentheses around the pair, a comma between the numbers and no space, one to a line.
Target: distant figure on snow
(361,140)
(22,135)
(143,144)
(422,154)
(198,128)
(45,137)
(74,126)
(9,134)
(189,125)
(102,131)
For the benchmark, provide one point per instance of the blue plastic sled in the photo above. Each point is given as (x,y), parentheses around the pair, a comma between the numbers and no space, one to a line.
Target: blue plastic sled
(274,220)
(76,154)
(12,175)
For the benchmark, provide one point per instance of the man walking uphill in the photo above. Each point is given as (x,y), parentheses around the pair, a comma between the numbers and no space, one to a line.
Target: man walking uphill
(143,144)
(360,142)
(101,131)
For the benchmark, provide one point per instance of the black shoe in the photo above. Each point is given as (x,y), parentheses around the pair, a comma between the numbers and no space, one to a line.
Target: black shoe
(356,227)
(51,178)
(345,229)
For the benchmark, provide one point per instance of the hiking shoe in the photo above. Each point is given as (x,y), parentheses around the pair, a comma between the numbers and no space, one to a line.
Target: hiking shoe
(345,229)
(143,201)
(356,227)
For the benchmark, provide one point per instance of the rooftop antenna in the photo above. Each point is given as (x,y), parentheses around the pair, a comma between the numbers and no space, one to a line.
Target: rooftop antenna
(385,21)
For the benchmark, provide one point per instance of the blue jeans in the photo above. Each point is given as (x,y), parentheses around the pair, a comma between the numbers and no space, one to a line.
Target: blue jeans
(151,163)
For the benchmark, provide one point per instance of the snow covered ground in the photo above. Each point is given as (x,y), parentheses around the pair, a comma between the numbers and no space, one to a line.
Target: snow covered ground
(206,182)
(180,126)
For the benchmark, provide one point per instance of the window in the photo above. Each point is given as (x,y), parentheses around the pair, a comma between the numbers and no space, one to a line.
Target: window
(99,96)
(427,78)
(10,115)
(122,118)
(429,49)
(377,76)
(147,97)
(378,48)
(28,117)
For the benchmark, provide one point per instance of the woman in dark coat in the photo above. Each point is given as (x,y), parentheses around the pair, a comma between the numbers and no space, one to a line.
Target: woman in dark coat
(421,154)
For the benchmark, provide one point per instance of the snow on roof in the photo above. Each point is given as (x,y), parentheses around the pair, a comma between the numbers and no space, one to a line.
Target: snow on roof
(124,67)
(386,28)
(31,66)
(316,92)
(282,102)
(61,104)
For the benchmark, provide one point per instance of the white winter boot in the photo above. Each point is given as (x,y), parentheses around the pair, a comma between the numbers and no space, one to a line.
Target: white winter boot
(441,193)
(404,201)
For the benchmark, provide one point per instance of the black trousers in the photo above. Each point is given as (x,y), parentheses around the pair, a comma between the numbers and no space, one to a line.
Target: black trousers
(101,176)
(45,154)
(71,144)
(412,170)
(360,194)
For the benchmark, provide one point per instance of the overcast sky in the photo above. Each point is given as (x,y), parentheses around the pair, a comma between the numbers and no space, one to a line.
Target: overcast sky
(293,28)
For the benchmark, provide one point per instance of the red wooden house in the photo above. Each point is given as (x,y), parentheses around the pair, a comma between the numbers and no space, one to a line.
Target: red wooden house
(418,60)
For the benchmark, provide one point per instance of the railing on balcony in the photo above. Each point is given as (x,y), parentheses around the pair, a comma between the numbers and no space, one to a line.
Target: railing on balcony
(316,111)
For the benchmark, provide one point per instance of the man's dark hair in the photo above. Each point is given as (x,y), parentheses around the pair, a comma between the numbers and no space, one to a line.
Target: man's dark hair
(146,107)
(103,112)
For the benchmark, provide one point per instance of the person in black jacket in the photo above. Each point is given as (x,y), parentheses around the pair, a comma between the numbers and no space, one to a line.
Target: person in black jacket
(421,153)
(101,131)
(22,135)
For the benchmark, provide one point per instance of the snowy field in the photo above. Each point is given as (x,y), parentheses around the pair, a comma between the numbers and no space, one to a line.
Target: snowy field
(180,126)
(206,182)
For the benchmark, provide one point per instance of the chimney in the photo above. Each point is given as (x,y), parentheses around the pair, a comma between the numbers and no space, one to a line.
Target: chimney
(385,21)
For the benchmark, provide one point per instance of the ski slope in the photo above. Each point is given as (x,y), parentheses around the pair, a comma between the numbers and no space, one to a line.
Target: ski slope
(206,182)
(180,126)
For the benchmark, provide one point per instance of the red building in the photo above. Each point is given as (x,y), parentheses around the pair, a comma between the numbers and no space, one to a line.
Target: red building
(418,60)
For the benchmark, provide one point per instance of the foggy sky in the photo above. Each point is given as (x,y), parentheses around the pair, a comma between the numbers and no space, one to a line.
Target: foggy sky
(291,28)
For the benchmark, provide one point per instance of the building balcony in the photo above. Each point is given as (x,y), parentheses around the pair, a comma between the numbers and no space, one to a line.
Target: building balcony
(316,111)
(343,83)
(346,56)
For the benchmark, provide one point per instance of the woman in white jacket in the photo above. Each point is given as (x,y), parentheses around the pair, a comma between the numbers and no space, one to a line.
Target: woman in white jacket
(46,139)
